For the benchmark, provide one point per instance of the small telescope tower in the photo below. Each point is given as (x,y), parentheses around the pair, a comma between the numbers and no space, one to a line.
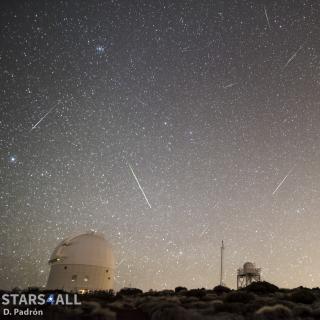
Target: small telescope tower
(248,274)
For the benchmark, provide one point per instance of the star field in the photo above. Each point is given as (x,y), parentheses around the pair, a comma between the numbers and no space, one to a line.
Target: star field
(214,105)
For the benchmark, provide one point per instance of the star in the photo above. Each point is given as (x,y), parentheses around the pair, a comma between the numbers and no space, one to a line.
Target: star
(12,159)
(100,50)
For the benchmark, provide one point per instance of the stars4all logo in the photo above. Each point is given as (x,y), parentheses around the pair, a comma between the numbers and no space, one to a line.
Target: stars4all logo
(51,299)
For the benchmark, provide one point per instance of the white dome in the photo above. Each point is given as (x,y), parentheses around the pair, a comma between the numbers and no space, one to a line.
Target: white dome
(249,267)
(89,248)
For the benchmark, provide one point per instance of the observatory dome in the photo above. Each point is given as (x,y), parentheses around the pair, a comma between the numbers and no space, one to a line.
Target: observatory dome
(249,267)
(89,248)
(82,263)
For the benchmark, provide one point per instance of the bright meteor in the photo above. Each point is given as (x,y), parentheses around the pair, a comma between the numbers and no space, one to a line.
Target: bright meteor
(293,57)
(139,185)
(283,180)
(267,17)
(34,126)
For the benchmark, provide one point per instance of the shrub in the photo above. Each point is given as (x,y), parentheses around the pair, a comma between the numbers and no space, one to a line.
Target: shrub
(129,292)
(303,295)
(151,307)
(221,289)
(261,287)
(159,293)
(234,307)
(175,312)
(302,311)
(239,296)
(198,293)
(104,294)
(179,289)
(277,312)
(166,293)
(254,306)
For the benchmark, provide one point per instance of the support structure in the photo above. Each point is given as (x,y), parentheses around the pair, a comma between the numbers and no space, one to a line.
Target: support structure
(248,274)
(221,266)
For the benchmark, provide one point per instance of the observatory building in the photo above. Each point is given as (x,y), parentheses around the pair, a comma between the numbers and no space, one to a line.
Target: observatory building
(248,274)
(82,263)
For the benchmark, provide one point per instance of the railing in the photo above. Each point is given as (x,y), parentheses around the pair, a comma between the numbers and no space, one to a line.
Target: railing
(242,271)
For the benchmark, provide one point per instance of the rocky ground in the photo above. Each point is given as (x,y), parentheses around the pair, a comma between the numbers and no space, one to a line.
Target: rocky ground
(260,300)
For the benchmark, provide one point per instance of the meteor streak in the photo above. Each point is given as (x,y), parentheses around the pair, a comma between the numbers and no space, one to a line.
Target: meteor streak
(139,185)
(266,14)
(120,262)
(283,180)
(229,85)
(142,102)
(292,57)
(34,126)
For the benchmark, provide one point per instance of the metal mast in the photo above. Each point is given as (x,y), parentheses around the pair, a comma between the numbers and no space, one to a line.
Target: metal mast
(221,266)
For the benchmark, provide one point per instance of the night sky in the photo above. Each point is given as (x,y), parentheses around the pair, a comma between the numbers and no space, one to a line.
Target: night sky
(168,126)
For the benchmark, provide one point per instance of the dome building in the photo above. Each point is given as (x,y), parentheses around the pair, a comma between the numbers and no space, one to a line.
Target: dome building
(82,263)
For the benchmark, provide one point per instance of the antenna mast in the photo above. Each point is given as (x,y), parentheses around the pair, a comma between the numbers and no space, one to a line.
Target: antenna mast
(221,266)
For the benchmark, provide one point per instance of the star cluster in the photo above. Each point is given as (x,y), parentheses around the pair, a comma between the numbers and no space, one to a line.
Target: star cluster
(213,104)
